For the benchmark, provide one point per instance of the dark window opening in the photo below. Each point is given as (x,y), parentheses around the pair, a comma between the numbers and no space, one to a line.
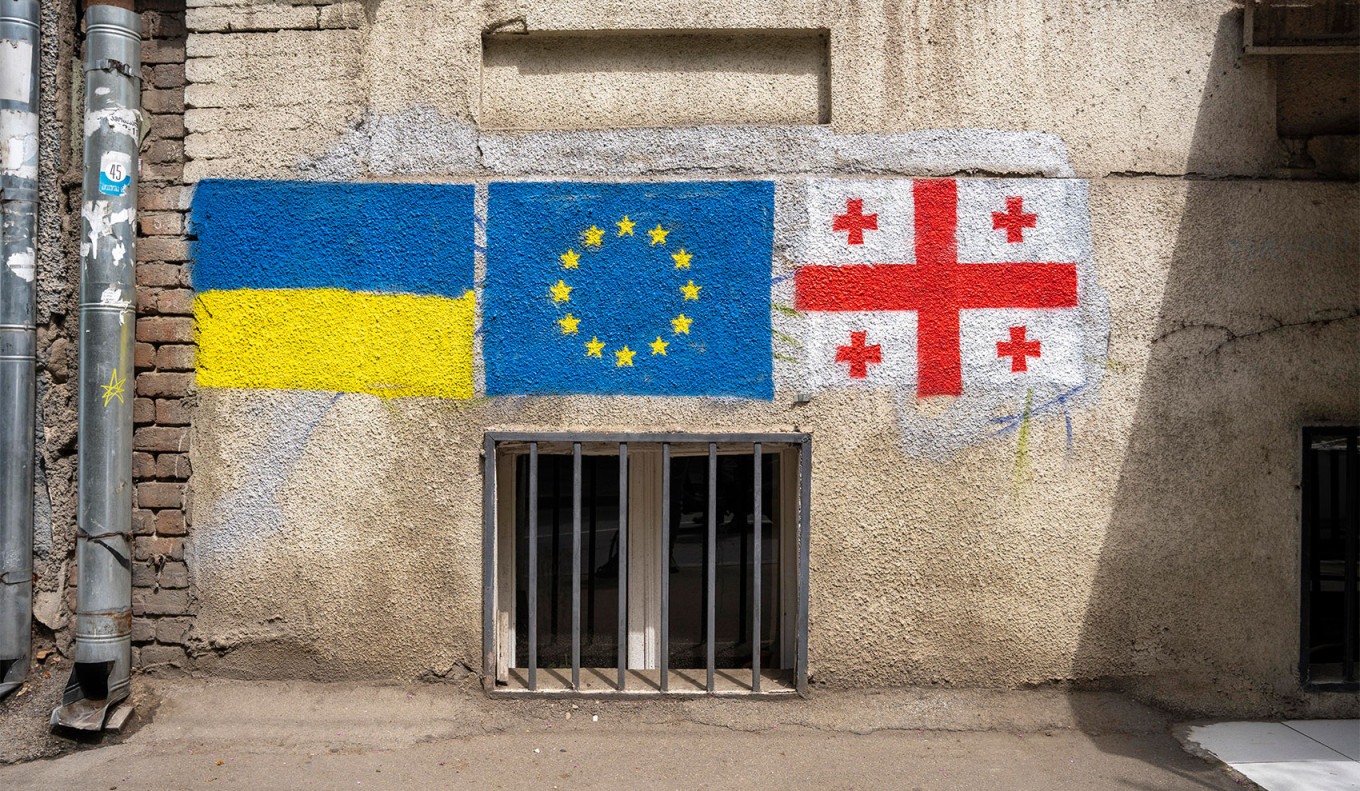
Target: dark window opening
(1330,645)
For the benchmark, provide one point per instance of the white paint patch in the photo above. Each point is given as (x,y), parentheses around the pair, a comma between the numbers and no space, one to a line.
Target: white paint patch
(1053,355)
(16,63)
(118,120)
(101,91)
(99,223)
(22,263)
(114,296)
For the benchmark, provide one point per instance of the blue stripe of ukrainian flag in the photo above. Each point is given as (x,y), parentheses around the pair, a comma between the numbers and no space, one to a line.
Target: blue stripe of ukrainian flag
(358,288)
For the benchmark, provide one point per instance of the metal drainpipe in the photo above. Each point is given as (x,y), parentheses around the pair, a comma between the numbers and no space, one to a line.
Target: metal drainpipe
(103,634)
(19,198)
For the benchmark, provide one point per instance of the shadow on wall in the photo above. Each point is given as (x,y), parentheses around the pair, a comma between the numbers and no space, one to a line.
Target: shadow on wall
(1194,605)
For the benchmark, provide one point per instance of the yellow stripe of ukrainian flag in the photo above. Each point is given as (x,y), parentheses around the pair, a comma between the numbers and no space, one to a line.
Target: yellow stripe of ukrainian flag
(331,339)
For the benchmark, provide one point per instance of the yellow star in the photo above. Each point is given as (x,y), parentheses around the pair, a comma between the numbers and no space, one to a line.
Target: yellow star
(569,259)
(569,323)
(659,346)
(691,290)
(560,292)
(593,347)
(681,324)
(681,259)
(658,235)
(114,389)
(625,226)
(593,236)
(625,357)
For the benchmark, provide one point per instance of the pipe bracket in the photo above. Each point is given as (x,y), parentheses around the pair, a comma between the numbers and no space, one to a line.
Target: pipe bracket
(109,64)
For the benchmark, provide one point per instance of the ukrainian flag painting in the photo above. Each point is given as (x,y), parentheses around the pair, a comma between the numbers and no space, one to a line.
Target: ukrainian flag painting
(356,288)
(643,289)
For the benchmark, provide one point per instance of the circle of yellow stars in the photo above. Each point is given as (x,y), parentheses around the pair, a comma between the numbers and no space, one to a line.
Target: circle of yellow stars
(560,292)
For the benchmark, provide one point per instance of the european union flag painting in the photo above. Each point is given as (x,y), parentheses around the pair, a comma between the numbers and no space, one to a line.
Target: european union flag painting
(643,289)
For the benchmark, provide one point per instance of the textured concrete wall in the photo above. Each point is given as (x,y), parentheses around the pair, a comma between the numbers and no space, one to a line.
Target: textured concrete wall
(1156,543)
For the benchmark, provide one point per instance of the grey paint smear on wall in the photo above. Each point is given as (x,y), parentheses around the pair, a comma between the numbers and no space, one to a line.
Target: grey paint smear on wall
(421,141)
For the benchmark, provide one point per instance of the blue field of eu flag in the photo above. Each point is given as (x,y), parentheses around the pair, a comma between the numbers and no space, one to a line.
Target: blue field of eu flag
(647,289)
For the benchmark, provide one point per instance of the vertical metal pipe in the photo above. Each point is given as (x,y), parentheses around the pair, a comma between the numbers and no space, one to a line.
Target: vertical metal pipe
(665,664)
(488,562)
(711,619)
(107,288)
(756,562)
(623,563)
(19,46)
(533,566)
(576,566)
(804,538)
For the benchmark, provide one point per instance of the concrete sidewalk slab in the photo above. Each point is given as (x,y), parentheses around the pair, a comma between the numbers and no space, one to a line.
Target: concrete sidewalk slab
(1297,755)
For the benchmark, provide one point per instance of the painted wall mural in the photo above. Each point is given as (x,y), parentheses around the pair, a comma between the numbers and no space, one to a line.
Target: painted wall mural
(357,288)
(977,296)
(651,289)
(981,291)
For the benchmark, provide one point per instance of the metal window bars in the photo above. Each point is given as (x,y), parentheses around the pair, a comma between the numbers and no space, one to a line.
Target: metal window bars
(803,445)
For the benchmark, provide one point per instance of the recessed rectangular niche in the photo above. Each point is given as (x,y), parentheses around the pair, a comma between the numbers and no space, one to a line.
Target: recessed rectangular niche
(592,80)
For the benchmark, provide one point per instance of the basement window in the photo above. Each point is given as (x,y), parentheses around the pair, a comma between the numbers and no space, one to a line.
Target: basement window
(663,593)
(1330,618)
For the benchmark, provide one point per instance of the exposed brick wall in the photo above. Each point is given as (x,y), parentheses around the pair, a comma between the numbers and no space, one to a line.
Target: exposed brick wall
(161,605)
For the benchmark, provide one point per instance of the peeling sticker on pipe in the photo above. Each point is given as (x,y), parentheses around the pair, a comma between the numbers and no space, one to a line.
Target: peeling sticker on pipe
(22,264)
(114,296)
(120,120)
(100,222)
(16,61)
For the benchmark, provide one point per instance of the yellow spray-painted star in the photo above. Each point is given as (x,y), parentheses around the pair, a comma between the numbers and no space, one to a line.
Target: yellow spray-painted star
(690,290)
(681,259)
(659,346)
(624,357)
(593,236)
(681,324)
(593,347)
(625,226)
(114,389)
(569,323)
(570,259)
(560,292)
(658,235)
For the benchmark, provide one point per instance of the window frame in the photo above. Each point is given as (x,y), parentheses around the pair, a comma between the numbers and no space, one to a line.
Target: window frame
(497,568)
(1307,517)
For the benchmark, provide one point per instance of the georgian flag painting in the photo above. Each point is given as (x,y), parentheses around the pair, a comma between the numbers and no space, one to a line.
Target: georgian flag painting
(979,290)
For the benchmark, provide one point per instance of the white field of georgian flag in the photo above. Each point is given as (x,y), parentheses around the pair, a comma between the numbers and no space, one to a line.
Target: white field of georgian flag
(982,291)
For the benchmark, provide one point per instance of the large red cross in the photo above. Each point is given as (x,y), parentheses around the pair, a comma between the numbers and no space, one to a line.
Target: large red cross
(937,287)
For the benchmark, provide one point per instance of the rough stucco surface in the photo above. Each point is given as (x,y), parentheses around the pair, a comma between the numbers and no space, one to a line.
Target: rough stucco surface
(340,535)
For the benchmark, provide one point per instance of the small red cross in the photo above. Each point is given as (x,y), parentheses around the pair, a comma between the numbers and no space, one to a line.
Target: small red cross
(1015,221)
(858,355)
(1018,349)
(855,221)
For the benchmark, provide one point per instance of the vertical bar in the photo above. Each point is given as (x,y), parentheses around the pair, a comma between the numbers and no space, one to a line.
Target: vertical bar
(489,562)
(665,665)
(1351,525)
(623,562)
(804,535)
(576,566)
(712,583)
(756,561)
(593,488)
(1307,574)
(533,566)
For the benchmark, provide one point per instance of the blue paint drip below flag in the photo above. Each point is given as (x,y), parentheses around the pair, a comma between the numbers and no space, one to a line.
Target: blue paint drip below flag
(645,289)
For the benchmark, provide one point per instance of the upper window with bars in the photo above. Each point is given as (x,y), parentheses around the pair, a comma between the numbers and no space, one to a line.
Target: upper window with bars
(637,563)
